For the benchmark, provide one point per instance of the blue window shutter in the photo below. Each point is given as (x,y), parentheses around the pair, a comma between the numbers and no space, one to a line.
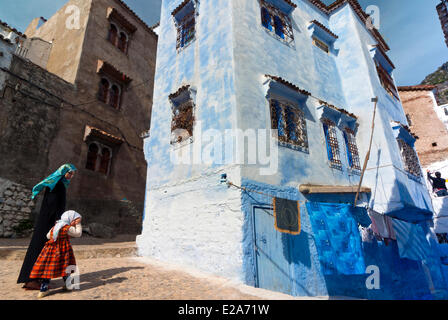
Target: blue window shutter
(266,19)
(349,153)
(329,152)
(279,27)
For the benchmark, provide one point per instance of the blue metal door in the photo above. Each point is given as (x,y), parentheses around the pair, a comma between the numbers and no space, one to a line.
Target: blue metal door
(271,250)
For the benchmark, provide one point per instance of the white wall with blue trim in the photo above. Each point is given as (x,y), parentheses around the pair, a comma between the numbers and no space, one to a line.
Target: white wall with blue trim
(192,219)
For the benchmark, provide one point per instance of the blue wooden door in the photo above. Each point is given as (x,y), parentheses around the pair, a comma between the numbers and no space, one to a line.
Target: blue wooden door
(271,249)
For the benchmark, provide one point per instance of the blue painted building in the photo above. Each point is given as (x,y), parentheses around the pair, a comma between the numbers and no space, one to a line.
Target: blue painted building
(308,71)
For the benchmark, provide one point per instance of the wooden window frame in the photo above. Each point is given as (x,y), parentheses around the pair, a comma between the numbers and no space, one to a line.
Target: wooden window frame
(321,45)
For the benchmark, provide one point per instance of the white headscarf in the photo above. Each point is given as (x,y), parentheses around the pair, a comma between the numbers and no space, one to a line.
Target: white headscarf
(66,219)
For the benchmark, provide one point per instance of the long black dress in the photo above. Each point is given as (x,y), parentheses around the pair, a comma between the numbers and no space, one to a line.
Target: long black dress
(53,206)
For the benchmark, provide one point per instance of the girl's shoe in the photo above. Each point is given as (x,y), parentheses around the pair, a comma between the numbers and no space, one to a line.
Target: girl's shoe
(42,294)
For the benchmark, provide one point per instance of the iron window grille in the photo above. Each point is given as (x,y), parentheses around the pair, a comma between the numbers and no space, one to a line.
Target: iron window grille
(410,158)
(290,123)
(352,149)
(186,31)
(332,143)
(277,22)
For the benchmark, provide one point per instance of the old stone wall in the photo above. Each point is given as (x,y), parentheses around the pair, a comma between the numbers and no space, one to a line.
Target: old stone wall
(15,209)
(432,145)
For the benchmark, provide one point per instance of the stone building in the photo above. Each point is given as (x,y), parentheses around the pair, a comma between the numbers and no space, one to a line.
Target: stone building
(231,71)
(87,103)
(423,116)
(442,10)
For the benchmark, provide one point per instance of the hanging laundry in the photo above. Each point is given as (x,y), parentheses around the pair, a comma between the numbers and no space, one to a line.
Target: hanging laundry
(287,216)
(411,239)
(337,238)
(381,225)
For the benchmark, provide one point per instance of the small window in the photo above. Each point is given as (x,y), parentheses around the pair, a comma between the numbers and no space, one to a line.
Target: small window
(105,160)
(332,143)
(434,144)
(113,34)
(114,100)
(321,45)
(275,20)
(104,90)
(386,80)
(92,156)
(123,42)
(185,21)
(410,158)
(352,149)
(290,122)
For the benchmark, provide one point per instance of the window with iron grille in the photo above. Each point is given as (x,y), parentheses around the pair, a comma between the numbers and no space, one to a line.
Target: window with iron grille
(386,80)
(182,122)
(186,30)
(276,21)
(290,123)
(352,149)
(410,158)
(332,143)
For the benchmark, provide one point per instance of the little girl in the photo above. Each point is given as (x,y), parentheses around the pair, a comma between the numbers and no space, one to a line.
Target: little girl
(57,254)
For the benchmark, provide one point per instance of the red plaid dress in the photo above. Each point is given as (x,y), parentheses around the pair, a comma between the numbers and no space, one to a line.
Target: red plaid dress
(55,257)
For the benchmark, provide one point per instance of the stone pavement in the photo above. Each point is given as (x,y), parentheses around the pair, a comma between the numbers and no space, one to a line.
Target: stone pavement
(109,270)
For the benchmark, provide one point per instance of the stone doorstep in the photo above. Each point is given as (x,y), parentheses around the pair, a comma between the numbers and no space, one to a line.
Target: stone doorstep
(119,250)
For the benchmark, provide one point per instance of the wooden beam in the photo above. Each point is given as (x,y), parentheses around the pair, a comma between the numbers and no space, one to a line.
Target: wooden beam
(312,188)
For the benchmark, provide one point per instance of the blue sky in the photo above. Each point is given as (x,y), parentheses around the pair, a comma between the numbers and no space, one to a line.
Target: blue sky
(410,27)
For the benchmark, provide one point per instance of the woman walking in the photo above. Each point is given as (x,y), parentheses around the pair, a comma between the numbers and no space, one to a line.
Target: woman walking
(53,206)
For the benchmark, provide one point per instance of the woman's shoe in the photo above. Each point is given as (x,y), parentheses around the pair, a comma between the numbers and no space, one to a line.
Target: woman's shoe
(42,294)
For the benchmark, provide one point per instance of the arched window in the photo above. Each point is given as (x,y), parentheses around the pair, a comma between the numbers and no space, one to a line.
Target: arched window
(114,100)
(123,42)
(113,34)
(105,160)
(92,155)
(104,90)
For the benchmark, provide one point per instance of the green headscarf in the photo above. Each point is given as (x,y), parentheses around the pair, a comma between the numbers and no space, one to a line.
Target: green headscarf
(53,179)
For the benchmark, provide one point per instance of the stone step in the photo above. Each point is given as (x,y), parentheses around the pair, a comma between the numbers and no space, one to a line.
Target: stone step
(81,252)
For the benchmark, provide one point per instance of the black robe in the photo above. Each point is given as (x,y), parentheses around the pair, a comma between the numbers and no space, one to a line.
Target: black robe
(53,206)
